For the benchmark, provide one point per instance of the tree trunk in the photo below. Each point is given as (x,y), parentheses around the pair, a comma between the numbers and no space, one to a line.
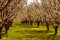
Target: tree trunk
(56,29)
(6,28)
(26,21)
(11,23)
(31,22)
(0,31)
(38,24)
(47,25)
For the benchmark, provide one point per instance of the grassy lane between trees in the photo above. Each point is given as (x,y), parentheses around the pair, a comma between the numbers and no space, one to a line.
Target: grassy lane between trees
(20,31)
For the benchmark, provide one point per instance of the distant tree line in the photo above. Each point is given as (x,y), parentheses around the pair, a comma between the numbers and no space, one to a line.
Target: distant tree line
(48,13)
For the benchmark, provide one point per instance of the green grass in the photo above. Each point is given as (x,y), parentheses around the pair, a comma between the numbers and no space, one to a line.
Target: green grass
(27,32)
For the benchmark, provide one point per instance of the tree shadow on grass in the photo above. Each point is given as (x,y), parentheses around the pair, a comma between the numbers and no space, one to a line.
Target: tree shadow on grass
(38,31)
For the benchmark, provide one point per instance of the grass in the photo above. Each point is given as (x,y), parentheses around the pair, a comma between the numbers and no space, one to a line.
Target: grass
(20,31)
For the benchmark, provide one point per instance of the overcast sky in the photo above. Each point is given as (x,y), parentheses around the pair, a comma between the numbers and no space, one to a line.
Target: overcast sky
(29,1)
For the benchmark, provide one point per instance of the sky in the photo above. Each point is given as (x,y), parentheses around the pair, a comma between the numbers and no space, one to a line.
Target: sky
(29,1)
